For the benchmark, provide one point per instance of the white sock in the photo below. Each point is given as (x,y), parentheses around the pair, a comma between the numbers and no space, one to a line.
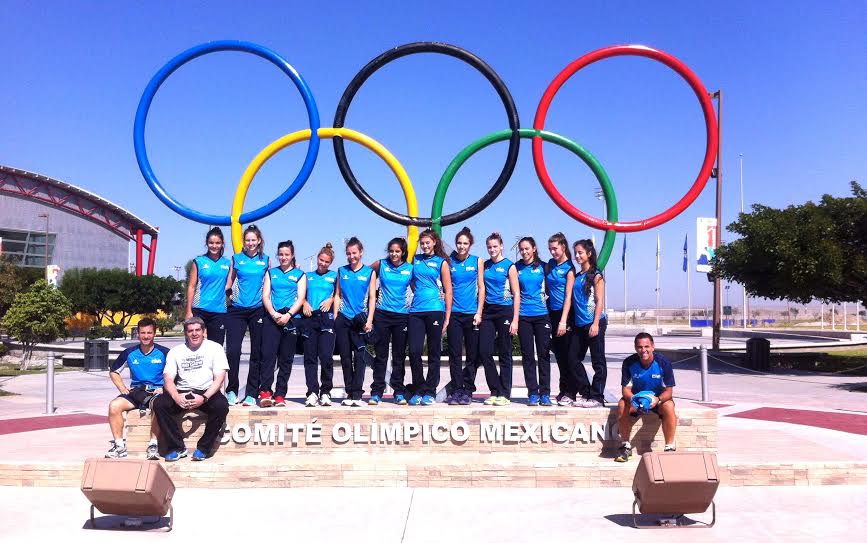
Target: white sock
(152,441)
(626,444)
(119,442)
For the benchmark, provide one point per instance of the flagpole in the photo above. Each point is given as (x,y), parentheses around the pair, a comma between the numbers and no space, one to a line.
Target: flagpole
(657,283)
(625,305)
(688,291)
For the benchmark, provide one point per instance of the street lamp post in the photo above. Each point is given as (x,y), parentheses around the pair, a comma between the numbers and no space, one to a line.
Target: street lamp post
(741,156)
(45,216)
(177,270)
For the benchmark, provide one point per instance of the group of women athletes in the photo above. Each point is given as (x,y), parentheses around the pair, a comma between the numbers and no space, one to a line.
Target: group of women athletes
(392,303)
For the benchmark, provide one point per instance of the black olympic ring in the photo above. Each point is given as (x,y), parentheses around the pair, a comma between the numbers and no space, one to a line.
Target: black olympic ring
(411,49)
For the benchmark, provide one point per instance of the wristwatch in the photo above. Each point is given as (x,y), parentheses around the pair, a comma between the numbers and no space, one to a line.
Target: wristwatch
(204,399)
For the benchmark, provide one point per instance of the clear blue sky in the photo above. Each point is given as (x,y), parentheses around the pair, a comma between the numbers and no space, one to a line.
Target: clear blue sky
(793,74)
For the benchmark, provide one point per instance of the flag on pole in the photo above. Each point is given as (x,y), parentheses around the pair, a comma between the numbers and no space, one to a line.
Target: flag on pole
(685,252)
(593,238)
(658,253)
(623,256)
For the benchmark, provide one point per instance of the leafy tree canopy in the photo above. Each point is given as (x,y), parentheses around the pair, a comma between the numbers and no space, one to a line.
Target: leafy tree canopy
(36,316)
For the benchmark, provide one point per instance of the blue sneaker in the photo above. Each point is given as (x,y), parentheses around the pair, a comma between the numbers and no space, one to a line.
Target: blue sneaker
(232,398)
(174,456)
(545,401)
(533,400)
(249,401)
(374,400)
(427,399)
(415,400)
(400,399)
(198,456)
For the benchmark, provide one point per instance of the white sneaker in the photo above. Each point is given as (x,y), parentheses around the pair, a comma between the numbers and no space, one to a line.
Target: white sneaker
(587,403)
(312,400)
(358,403)
(346,402)
(566,401)
(325,400)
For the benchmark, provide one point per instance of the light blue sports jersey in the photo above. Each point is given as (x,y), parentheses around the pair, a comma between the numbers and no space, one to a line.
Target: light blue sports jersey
(465,284)
(284,288)
(249,276)
(320,287)
(211,288)
(497,282)
(531,281)
(655,378)
(144,369)
(426,273)
(555,283)
(353,290)
(584,304)
(393,286)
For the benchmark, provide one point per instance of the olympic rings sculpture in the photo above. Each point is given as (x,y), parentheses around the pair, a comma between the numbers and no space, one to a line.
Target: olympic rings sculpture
(437,220)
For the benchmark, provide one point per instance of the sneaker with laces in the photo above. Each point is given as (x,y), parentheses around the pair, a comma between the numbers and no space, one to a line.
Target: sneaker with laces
(623,454)
(347,402)
(587,403)
(358,403)
(325,399)
(312,400)
(670,448)
(374,400)
(232,398)
(545,401)
(249,401)
(465,399)
(400,399)
(174,456)
(491,400)
(427,399)
(265,399)
(279,401)
(152,452)
(565,401)
(415,400)
(198,456)
(502,401)
(115,451)
(533,400)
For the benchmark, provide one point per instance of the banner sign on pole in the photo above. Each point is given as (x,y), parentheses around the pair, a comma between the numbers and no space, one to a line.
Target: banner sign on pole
(705,238)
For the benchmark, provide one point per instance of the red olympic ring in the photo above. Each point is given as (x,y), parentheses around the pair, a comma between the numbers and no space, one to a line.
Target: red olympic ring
(709,154)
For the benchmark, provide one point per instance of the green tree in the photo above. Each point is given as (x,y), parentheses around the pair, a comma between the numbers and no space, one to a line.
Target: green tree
(36,316)
(116,295)
(14,279)
(801,253)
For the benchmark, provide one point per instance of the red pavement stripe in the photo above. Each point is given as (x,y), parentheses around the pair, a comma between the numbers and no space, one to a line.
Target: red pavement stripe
(14,426)
(843,422)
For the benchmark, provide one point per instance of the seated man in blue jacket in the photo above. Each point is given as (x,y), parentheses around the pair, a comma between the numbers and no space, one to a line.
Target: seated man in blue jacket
(648,386)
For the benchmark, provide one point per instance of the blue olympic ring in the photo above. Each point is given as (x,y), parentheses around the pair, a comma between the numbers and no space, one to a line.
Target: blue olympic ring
(145,104)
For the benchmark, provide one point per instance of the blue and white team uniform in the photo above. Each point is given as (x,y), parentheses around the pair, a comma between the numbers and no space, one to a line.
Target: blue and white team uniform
(461,330)
(584,306)
(349,327)
(494,329)
(209,300)
(426,319)
(279,342)
(534,331)
(318,333)
(145,372)
(390,323)
(555,284)
(245,313)
(655,378)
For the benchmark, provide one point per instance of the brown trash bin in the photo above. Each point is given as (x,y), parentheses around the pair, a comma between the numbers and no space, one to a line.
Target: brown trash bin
(675,483)
(136,488)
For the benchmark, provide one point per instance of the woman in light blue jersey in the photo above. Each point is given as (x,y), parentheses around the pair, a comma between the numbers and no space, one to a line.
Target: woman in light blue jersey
(390,321)
(428,315)
(588,299)
(534,328)
(559,278)
(353,319)
(246,312)
(468,300)
(282,295)
(499,321)
(317,329)
(206,287)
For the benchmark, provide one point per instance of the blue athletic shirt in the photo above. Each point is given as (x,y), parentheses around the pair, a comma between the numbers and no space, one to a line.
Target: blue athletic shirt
(249,275)
(284,288)
(320,287)
(497,282)
(465,284)
(555,283)
(654,378)
(353,290)
(584,304)
(144,369)
(531,281)
(393,286)
(211,287)
(426,272)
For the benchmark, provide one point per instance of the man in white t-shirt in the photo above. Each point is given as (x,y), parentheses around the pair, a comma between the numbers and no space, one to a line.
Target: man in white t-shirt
(192,378)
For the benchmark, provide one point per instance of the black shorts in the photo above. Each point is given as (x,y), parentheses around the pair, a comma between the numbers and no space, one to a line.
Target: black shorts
(140,397)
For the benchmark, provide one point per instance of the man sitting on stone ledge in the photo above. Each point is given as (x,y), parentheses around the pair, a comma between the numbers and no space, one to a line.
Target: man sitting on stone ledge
(193,376)
(145,362)
(648,385)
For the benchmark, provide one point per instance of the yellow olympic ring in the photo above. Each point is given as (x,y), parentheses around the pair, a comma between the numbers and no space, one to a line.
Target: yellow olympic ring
(304,135)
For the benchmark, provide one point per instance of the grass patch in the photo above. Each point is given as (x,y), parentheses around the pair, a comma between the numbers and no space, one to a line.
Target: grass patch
(4,393)
(11,370)
(845,359)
